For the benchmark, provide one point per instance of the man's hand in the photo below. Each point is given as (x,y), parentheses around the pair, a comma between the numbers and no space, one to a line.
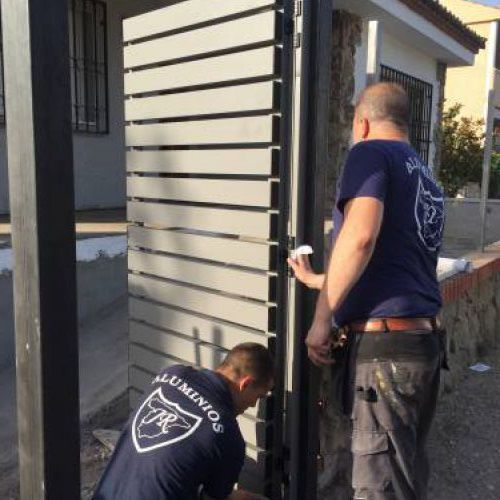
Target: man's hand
(319,342)
(304,273)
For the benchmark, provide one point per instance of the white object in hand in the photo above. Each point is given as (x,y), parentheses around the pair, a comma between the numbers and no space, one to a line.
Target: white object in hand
(302,250)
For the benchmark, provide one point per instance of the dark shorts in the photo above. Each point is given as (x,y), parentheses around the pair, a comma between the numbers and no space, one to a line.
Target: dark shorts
(392,388)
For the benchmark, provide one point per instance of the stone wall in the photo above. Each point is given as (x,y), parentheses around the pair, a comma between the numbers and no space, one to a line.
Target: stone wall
(346,36)
(471,315)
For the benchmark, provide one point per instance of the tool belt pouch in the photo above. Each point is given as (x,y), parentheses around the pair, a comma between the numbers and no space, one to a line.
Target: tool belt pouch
(443,349)
(339,370)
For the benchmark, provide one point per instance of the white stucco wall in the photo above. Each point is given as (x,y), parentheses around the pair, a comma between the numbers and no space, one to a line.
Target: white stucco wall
(405,58)
(99,161)
(408,59)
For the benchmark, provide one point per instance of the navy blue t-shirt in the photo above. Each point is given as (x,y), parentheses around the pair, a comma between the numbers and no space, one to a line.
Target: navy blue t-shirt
(182,437)
(400,279)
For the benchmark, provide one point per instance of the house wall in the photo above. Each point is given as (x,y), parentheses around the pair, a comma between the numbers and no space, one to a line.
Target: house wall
(405,58)
(471,11)
(98,159)
(467,85)
(411,61)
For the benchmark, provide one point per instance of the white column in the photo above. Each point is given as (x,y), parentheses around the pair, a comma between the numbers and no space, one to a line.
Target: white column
(491,48)
(374,52)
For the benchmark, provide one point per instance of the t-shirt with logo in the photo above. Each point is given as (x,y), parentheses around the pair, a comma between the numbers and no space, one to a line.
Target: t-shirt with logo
(400,279)
(183,437)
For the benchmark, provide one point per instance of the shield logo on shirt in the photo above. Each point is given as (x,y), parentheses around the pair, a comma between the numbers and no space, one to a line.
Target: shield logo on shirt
(160,422)
(429,216)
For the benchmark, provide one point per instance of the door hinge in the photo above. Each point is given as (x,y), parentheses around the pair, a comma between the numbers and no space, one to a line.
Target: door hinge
(297,37)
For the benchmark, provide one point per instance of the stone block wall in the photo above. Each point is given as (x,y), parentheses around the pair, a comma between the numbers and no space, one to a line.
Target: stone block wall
(471,315)
(346,37)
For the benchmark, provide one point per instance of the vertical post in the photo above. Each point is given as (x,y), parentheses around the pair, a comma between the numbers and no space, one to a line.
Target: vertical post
(311,137)
(39,140)
(488,120)
(374,52)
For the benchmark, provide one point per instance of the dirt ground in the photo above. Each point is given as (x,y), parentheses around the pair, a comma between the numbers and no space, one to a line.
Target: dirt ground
(464,445)
(94,456)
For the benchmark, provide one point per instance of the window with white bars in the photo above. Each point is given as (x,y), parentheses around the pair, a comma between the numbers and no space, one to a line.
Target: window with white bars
(88,67)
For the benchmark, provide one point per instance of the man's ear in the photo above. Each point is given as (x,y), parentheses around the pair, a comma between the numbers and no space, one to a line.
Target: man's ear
(365,128)
(244,382)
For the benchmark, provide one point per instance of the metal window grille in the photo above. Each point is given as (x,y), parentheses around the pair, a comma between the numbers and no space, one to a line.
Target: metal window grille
(88,63)
(89,67)
(420,97)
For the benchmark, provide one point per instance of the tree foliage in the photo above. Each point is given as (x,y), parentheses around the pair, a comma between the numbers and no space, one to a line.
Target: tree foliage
(462,150)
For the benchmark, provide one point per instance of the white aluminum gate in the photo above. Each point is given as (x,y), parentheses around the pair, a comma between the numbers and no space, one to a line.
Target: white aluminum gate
(207,102)
(226,133)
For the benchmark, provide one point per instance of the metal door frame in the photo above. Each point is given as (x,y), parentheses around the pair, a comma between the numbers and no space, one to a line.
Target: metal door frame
(313,32)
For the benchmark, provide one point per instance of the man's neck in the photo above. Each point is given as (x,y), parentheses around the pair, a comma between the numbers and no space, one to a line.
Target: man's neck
(226,377)
(387,135)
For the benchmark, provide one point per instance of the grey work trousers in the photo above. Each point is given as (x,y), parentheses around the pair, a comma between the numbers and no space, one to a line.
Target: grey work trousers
(392,388)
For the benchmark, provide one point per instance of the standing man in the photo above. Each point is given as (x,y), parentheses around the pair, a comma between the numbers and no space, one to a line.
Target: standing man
(381,288)
(183,442)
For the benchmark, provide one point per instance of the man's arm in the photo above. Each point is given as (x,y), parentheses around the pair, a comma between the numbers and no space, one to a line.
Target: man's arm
(350,256)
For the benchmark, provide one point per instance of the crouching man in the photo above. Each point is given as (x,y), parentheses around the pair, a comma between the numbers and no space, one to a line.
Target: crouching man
(183,442)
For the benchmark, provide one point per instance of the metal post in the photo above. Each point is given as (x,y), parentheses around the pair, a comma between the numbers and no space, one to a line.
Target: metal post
(312,159)
(39,139)
(488,119)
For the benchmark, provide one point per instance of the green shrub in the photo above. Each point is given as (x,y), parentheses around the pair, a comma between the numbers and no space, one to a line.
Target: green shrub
(461,150)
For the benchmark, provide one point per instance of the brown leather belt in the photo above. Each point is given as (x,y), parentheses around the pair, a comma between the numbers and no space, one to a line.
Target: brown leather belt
(377,325)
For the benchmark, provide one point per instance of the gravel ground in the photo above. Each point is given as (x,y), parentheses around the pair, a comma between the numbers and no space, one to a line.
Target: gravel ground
(464,445)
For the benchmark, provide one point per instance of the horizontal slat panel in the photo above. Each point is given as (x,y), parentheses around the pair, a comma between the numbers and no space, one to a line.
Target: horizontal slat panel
(255,432)
(211,161)
(251,130)
(227,192)
(183,348)
(225,250)
(219,333)
(149,360)
(141,381)
(237,99)
(243,312)
(243,283)
(216,220)
(255,29)
(257,63)
(185,14)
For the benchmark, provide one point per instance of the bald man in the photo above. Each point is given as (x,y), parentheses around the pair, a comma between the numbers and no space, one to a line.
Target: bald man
(183,442)
(382,292)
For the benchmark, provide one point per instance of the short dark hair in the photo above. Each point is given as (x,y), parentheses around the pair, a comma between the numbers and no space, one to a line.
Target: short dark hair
(386,101)
(250,359)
